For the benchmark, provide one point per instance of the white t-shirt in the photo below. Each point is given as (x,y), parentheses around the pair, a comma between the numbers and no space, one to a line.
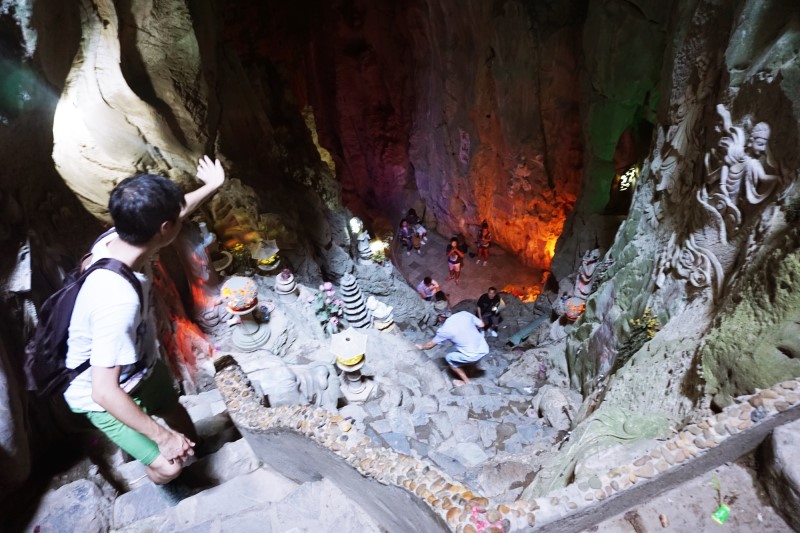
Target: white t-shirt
(428,290)
(104,327)
(462,330)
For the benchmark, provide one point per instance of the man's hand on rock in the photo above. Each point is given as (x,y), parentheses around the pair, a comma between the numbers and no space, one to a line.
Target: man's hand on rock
(210,172)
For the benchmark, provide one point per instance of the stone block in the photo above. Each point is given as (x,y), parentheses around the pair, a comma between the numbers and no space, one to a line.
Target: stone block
(780,475)
(401,422)
(398,442)
(77,506)
(467,453)
(488,432)
(466,431)
(237,495)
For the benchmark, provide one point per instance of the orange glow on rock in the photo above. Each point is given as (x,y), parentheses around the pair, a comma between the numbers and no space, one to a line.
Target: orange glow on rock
(524,293)
(181,338)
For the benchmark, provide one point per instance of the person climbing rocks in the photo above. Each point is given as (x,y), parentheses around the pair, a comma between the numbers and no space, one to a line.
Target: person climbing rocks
(463,330)
(483,243)
(455,258)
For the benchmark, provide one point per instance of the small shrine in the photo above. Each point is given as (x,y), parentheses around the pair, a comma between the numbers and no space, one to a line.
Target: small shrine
(350,348)
(240,295)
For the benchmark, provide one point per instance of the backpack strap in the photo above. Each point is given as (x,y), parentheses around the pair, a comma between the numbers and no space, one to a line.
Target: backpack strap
(114,265)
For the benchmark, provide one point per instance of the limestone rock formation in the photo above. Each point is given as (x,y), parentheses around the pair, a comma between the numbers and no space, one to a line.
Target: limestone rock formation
(465,113)
(708,247)
(102,129)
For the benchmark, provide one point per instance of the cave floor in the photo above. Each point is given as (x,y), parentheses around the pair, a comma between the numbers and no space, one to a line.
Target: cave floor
(502,271)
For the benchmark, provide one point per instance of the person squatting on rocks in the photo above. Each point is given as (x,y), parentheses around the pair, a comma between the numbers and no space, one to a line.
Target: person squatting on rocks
(455,258)
(483,243)
(427,288)
(416,224)
(489,305)
(463,329)
(126,382)
(408,237)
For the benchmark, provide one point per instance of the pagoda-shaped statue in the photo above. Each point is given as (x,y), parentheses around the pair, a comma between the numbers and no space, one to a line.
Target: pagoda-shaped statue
(355,308)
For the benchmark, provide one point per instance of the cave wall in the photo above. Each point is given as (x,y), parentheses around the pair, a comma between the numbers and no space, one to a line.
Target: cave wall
(710,210)
(709,249)
(95,91)
(465,111)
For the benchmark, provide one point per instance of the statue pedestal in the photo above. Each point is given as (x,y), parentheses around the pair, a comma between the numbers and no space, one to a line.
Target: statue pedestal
(356,388)
(286,287)
(250,335)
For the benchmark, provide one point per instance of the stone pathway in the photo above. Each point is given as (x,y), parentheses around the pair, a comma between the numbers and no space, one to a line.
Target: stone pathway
(479,433)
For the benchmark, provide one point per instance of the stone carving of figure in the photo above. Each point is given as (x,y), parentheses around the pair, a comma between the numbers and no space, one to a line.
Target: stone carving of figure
(573,304)
(583,283)
(738,165)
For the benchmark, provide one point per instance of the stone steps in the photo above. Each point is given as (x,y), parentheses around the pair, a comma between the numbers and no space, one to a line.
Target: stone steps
(229,490)
(153,510)
(232,460)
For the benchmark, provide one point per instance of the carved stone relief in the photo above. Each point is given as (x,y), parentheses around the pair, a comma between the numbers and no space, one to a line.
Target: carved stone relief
(740,175)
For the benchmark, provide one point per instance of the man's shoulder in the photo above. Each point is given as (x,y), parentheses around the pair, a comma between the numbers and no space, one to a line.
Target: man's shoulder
(109,286)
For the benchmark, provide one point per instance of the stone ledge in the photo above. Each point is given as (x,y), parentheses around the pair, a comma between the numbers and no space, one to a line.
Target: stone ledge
(696,449)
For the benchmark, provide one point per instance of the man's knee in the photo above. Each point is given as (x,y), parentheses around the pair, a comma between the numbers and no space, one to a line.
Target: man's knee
(162,471)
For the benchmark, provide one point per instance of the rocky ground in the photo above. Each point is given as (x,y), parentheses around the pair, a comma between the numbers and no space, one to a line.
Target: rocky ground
(488,435)
(689,506)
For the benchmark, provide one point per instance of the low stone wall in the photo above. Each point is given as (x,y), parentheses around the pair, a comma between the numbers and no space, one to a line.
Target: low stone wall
(438,502)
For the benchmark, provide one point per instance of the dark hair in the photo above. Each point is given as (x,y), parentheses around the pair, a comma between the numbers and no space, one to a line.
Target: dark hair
(140,204)
(454,239)
(492,289)
(440,296)
(427,280)
(403,220)
(412,212)
(484,225)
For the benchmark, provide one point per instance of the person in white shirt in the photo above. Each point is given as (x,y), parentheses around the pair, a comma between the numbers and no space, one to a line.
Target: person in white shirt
(427,288)
(463,329)
(124,383)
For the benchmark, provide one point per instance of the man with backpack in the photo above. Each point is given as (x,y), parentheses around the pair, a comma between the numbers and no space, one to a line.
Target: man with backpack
(112,326)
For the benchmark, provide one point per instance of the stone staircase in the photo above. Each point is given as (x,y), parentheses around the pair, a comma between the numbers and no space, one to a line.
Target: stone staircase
(480,433)
(225,489)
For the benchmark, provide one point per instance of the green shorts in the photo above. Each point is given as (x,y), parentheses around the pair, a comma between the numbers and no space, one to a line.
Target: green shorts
(154,395)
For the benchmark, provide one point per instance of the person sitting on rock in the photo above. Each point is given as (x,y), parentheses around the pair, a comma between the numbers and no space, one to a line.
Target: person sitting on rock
(489,305)
(427,288)
(463,329)
(416,224)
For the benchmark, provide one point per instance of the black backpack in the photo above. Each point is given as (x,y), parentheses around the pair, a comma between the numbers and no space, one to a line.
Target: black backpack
(46,369)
